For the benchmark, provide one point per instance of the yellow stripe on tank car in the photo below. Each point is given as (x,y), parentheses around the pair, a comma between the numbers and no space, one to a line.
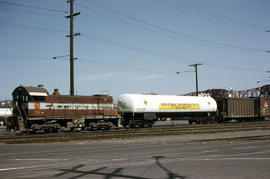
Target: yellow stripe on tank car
(179,106)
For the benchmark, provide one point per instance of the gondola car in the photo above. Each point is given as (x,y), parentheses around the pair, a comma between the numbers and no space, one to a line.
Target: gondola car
(240,109)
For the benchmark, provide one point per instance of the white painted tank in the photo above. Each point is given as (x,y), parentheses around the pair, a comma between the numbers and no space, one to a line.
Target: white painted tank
(140,103)
(5,112)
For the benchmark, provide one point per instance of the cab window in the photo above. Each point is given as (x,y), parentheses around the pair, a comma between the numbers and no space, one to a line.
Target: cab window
(38,98)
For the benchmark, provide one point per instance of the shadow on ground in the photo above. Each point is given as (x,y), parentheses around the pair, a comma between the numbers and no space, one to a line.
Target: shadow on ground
(116,173)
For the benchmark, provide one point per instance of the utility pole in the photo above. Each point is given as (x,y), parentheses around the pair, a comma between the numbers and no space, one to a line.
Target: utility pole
(196,73)
(71,35)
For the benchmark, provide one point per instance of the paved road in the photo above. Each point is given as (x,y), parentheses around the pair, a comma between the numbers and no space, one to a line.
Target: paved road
(137,159)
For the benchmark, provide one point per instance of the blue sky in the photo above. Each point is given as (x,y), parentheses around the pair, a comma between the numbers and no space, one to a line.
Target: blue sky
(135,46)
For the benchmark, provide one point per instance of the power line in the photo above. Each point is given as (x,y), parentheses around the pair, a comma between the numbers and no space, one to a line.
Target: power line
(124,67)
(206,14)
(185,10)
(149,30)
(135,48)
(38,58)
(24,57)
(178,33)
(22,33)
(167,56)
(32,7)
(231,67)
(29,12)
(33,27)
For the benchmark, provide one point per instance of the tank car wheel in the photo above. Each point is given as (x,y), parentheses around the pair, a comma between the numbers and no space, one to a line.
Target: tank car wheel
(131,124)
(204,121)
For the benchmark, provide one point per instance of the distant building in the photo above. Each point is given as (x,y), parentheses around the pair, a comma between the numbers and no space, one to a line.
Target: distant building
(5,104)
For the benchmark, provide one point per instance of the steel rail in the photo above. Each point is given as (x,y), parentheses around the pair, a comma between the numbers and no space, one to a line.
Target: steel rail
(135,133)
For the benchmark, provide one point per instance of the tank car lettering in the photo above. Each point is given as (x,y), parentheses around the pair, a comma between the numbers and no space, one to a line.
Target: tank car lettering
(179,106)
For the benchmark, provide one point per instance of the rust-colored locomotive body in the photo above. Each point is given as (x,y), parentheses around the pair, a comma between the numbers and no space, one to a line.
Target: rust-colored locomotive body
(35,109)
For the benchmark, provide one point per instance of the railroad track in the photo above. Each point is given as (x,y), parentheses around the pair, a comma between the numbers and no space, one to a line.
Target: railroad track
(135,133)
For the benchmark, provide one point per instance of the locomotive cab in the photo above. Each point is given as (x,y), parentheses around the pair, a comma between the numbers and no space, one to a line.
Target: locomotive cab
(22,97)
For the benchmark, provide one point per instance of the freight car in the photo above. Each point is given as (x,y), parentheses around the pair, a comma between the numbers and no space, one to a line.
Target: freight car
(246,105)
(265,108)
(4,114)
(140,109)
(5,111)
(35,109)
(240,109)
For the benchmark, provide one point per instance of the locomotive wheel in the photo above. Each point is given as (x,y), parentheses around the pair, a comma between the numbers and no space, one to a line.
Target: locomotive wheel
(110,124)
(56,127)
(126,126)
(92,125)
(131,124)
(49,129)
(142,125)
(35,127)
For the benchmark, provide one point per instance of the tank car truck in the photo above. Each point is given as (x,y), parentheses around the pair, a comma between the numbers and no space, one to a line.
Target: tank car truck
(140,110)
(35,109)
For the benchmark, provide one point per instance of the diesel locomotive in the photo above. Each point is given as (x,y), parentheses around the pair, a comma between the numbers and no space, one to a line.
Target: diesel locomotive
(35,109)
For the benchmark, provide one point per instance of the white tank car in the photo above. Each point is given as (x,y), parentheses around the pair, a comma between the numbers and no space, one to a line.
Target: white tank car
(140,103)
(5,112)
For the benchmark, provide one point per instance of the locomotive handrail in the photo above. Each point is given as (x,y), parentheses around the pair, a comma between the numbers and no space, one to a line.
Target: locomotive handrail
(18,109)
